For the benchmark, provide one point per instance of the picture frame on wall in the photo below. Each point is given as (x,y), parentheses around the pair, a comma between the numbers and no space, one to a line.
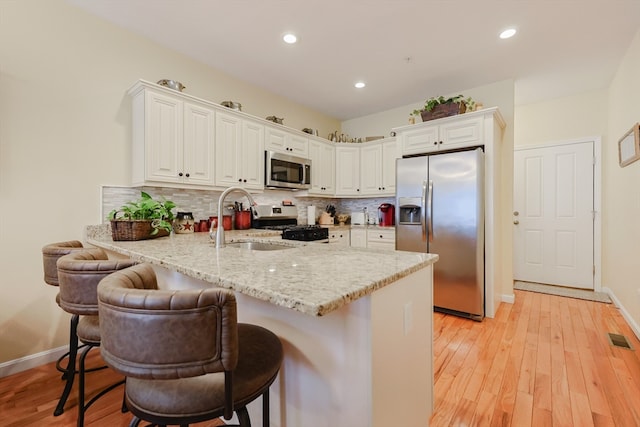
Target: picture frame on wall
(629,146)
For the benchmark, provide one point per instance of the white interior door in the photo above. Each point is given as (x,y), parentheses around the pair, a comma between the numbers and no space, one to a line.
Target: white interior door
(553,215)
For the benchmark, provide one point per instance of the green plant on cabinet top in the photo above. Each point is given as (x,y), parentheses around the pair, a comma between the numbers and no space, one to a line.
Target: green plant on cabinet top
(464,104)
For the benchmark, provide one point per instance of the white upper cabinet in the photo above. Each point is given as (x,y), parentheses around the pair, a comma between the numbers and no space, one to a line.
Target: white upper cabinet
(172,139)
(370,169)
(282,141)
(367,169)
(443,134)
(347,170)
(198,144)
(252,155)
(323,167)
(162,138)
(239,152)
(390,154)
(378,167)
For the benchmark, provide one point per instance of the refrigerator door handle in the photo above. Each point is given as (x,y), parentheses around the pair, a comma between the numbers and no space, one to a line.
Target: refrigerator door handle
(430,211)
(423,209)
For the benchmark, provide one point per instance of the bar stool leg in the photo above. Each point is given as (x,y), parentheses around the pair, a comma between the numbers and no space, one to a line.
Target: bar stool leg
(265,409)
(81,406)
(70,372)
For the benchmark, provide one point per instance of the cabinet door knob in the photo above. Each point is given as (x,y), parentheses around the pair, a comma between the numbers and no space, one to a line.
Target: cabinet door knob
(180,173)
(187,175)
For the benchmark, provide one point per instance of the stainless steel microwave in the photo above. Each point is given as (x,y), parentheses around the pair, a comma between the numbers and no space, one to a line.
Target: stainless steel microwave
(286,171)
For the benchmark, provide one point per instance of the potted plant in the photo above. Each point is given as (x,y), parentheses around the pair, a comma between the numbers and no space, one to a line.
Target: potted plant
(439,106)
(145,218)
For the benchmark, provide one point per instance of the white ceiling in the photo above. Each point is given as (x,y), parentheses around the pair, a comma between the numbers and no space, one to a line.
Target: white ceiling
(405,50)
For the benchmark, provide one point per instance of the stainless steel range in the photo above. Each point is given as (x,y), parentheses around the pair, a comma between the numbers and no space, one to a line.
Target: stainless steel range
(285,218)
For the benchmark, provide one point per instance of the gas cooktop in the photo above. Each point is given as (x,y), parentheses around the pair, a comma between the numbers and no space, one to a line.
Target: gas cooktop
(307,233)
(285,219)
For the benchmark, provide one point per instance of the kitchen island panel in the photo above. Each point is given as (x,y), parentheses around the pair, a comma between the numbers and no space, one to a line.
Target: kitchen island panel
(368,363)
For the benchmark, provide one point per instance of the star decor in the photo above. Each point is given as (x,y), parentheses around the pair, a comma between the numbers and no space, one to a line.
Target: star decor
(187,225)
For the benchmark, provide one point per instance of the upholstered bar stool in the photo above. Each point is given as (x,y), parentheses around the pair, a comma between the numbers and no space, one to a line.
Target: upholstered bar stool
(185,357)
(79,274)
(50,255)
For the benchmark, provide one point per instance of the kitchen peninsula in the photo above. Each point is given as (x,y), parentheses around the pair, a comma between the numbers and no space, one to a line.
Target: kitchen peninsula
(356,324)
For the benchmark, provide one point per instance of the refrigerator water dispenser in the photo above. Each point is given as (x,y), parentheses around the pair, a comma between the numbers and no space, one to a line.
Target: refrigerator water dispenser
(409,211)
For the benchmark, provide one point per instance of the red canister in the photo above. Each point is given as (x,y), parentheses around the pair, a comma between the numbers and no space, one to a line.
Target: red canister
(243,220)
(226,222)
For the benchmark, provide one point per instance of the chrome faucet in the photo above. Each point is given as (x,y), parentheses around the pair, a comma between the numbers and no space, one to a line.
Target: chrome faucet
(220,232)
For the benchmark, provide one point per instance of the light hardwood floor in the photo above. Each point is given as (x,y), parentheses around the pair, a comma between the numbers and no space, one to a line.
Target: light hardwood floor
(543,361)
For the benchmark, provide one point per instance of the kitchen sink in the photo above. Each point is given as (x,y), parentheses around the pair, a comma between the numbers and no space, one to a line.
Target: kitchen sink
(258,246)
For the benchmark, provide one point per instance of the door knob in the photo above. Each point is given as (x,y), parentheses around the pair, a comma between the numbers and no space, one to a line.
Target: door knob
(516,213)
(516,222)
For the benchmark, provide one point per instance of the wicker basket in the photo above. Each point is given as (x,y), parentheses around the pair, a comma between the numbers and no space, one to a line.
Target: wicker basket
(443,110)
(134,230)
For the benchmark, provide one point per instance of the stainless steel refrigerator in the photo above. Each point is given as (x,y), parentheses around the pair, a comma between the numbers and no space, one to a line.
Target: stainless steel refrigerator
(440,209)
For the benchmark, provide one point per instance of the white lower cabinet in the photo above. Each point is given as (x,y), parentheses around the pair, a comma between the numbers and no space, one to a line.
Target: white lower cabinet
(381,238)
(358,238)
(374,237)
(339,237)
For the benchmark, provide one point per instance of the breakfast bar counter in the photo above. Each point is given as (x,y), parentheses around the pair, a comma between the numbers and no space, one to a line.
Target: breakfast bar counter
(356,324)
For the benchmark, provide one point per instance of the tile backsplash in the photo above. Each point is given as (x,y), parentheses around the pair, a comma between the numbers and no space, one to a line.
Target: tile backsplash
(204,203)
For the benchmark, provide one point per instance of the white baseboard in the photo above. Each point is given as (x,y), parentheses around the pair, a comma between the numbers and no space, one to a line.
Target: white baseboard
(24,363)
(510,299)
(625,314)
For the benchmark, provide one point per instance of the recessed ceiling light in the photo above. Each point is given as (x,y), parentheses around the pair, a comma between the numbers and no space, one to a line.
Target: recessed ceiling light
(290,38)
(508,33)
(360,85)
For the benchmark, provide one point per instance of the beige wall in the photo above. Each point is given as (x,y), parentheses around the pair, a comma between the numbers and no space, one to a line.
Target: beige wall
(563,119)
(65,125)
(621,190)
(608,113)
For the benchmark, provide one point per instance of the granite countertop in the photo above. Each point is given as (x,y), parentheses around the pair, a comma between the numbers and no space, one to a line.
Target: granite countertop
(312,278)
